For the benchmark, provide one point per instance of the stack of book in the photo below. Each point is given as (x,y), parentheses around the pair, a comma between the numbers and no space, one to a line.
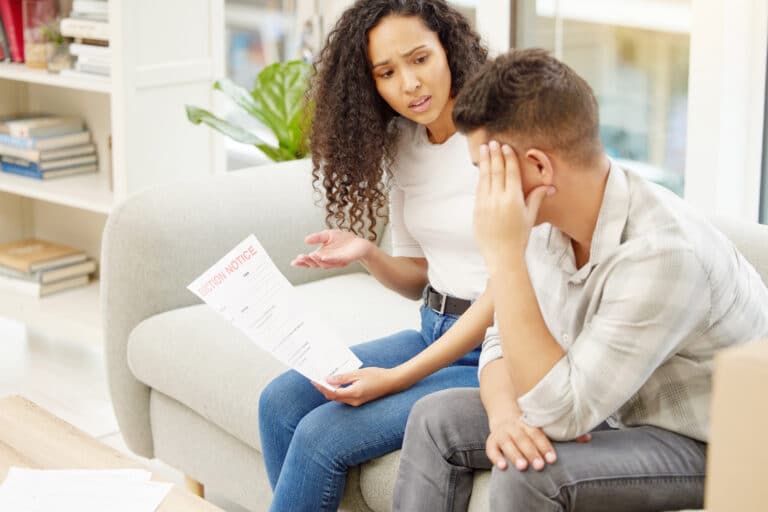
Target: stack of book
(88,25)
(44,146)
(38,268)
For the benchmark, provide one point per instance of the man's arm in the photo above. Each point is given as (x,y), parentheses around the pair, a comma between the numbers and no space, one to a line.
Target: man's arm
(649,305)
(534,351)
(509,436)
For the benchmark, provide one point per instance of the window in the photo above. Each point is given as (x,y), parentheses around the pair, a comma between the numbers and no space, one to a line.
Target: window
(635,55)
(764,193)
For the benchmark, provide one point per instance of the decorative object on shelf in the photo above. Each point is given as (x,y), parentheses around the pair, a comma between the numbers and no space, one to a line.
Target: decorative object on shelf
(40,31)
(10,11)
(277,100)
(60,59)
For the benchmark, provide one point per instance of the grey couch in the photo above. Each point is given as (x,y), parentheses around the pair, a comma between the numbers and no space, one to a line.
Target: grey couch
(185,385)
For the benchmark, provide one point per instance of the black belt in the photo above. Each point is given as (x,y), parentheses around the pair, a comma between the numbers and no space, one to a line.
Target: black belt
(445,304)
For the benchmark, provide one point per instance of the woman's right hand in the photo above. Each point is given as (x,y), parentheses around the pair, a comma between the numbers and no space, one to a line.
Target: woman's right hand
(337,249)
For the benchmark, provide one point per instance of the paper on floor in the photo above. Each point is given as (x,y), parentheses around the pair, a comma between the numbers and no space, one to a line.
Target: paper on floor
(121,490)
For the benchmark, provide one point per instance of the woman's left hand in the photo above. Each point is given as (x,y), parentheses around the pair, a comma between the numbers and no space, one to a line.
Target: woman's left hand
(361,386)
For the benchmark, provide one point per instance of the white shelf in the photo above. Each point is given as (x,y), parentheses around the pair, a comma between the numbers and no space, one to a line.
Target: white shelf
(137,122)
(72,314)
(22,73)
(87,192)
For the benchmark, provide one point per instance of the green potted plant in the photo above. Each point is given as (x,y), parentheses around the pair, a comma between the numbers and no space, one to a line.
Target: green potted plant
(277,101)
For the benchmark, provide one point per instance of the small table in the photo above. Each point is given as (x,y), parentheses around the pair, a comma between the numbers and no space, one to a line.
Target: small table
(31,437)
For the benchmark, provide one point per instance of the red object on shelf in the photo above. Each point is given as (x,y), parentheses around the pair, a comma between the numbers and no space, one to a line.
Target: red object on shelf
(10,10)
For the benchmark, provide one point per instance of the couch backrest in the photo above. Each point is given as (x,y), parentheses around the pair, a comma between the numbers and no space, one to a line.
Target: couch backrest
(750,238)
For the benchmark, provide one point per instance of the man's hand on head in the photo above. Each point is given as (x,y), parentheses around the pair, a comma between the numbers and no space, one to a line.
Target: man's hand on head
(503,216)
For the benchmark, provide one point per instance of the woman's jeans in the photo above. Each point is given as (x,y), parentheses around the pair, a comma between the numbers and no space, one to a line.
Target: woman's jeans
(309,442)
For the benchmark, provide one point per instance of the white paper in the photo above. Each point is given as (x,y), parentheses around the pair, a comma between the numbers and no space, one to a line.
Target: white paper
(246,288)
(26,490)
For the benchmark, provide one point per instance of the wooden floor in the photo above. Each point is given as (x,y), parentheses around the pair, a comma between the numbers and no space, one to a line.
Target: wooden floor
(68,378)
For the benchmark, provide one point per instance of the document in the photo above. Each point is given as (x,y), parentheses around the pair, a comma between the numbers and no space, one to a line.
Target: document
(34,490)
(247,289)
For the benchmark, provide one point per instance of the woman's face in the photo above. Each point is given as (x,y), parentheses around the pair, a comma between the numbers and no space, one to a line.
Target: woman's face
(410,68)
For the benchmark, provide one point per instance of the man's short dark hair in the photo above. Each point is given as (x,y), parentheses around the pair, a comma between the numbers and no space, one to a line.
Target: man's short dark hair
(536,99)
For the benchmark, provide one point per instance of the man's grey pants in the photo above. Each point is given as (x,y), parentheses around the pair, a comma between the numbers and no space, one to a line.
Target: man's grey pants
(636,469)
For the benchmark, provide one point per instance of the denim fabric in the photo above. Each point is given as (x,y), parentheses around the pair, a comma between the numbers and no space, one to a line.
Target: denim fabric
(638,469)
(309,442)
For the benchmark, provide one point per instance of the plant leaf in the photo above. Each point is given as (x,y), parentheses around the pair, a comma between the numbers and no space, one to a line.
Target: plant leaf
(276,154)
(277,101)
(198,115)
(241,98)
(280,90)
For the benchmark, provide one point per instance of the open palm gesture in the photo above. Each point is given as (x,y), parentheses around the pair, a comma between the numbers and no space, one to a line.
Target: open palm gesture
(337,249)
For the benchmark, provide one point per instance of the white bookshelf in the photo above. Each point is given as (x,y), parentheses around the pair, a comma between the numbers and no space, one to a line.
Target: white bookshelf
(71,314)
(164,55)
(21,73)
(85,192)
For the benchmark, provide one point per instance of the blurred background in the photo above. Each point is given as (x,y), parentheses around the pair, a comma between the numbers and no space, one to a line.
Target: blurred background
(634,53)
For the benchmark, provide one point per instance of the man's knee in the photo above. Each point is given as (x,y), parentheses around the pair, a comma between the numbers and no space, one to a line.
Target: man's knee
(436,416)
(512,489)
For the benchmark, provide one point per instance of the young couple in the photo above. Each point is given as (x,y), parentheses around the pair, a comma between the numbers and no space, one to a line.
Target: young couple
(599,299)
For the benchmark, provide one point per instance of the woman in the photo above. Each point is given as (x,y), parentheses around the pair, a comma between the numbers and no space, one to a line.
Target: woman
(384,94)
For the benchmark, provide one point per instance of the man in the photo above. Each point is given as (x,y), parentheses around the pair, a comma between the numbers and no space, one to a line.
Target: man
(611,298)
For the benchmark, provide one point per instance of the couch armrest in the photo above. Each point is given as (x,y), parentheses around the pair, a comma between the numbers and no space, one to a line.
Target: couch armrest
(158,241)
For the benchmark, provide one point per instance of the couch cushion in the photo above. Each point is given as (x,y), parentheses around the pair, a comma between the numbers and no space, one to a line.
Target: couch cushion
(197,358)
(377,484)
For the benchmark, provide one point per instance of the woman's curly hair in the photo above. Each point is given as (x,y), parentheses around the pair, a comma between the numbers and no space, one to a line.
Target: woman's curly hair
(352,137)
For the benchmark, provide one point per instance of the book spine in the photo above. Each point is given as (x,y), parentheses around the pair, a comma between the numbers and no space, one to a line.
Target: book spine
(21,171)
(11,14)
(55,142)
(45,130)
(90,6)
(22,162)
(96,69)
(83,50)
(85,29)
(24,276)
(4,42)
(26,154)
(17,142)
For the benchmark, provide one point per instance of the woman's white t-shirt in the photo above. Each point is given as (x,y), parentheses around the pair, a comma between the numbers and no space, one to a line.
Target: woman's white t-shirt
(431,202)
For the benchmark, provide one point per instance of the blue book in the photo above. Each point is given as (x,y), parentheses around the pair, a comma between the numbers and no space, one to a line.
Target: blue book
(26,171)
(21,171)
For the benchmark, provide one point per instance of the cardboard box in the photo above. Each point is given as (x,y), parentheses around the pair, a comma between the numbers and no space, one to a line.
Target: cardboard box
(737,458)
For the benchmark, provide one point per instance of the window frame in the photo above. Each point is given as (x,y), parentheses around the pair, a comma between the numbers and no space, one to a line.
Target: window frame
(726,102)
(764,193)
